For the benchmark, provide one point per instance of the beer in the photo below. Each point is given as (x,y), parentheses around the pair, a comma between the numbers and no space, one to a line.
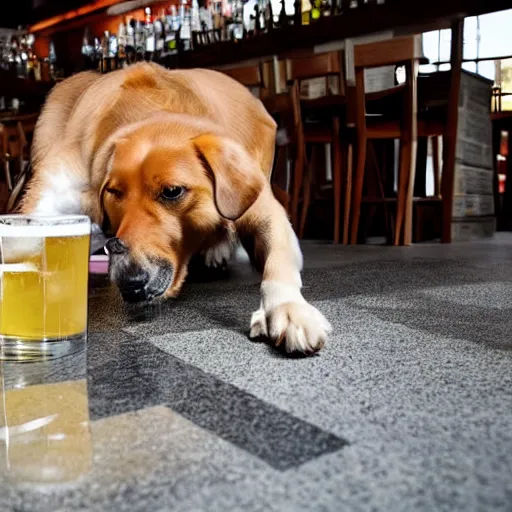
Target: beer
(44,264)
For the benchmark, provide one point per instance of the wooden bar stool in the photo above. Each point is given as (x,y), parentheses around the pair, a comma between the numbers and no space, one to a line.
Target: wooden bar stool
(399,51)
(329,109)
(19,137)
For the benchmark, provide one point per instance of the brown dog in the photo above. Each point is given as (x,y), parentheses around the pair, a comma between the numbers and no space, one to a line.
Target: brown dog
(175,163)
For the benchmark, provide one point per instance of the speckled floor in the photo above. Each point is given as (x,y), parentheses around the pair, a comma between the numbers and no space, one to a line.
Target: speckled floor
(409,407)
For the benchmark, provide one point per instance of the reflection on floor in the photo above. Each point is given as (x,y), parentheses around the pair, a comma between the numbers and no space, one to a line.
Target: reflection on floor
(408,407)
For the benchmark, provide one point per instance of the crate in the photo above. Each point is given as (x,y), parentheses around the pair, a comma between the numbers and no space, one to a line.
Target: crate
(473,206)
(473,180)
(474,154)
(475,229)
(474,126)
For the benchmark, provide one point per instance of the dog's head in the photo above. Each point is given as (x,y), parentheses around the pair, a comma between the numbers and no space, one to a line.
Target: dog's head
(166,194)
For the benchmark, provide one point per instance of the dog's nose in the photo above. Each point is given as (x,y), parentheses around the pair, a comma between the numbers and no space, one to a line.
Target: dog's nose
(134,280)
(115,246)
(133,285)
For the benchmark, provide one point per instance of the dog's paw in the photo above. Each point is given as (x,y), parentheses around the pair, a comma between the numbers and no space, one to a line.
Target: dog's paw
(299,327)
(258,325)
(219,255)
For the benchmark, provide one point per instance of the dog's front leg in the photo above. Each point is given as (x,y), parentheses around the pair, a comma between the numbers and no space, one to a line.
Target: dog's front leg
(284,315)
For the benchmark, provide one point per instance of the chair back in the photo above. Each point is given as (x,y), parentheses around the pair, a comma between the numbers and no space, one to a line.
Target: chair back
(317,74)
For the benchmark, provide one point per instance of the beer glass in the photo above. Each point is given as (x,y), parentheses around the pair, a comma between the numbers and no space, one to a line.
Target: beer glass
(45,434)
(44,264)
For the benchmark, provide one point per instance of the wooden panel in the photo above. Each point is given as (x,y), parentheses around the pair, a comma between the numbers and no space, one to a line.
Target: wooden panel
(314,66)
(385,53)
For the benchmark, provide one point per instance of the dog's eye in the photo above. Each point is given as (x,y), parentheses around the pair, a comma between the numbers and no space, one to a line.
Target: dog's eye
(172,193)
(114,192)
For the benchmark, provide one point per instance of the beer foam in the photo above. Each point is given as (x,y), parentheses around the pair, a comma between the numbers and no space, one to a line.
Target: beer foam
(23,226)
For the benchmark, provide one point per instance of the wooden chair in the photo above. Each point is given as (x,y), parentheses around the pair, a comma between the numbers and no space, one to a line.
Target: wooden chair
(398,51)
(15,142)
(329,109)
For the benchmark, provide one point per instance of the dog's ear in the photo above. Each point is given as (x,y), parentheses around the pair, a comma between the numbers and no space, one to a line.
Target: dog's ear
(100,175)
(237,178)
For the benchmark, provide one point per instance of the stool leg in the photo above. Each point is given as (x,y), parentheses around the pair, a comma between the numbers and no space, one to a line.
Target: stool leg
(436,166)
(357,196)
(408,149)
(298,177)
(348,192)
(361,154)
(336,179)
(401,199)
(306,199)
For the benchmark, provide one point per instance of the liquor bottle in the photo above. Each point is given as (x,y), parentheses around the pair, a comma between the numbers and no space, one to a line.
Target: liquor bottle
(87,48)
(159,37)
(185,30)
(237,27)
(325,8)
(149,36)
(183,7)
(37,69)
(269,16)
(172,27)
(112,52)
(306,11)
(216,8)
(52,60)
(176,18)
(121,45)
(316,11)
(140,44)
(206,18)
(97,51)
(195,22)
(283,18)
(104,64)
(29,41)
(251,18)
(297,13)
(130,41)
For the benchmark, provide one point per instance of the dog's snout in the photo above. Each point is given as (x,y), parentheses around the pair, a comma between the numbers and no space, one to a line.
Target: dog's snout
(116,246)
(138,280)
(134,279)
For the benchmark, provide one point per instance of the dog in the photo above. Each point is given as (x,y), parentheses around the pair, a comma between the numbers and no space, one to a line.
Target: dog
(173,163)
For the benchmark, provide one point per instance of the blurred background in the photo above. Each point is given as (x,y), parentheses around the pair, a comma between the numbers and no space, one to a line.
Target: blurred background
(418,151)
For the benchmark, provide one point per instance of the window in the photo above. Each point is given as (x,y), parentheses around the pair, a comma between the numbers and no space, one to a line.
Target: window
(486,41)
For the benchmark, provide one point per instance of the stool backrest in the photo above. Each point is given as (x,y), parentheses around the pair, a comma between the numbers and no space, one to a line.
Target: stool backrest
(256,77)
(315,66)
(398,50)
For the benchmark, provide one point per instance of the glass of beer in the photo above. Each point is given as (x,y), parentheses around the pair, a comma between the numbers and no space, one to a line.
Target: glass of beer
(44,263)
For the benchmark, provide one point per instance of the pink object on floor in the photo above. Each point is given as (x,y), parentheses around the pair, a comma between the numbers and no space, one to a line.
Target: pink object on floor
(98,264)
